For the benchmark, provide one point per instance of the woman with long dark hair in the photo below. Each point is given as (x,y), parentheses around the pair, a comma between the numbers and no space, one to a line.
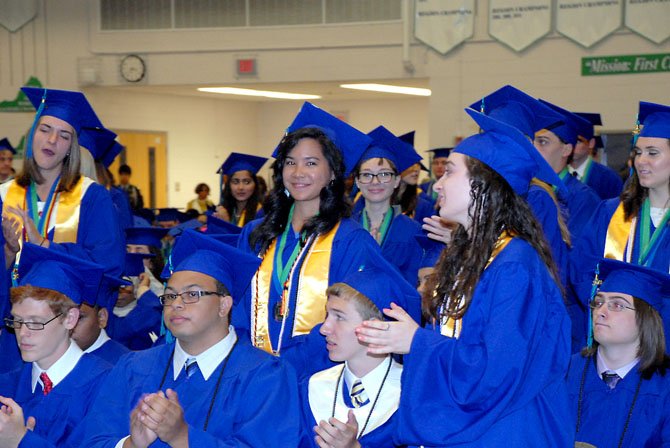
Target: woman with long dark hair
(618,385)
(241,201)
(305,240)
(490,366)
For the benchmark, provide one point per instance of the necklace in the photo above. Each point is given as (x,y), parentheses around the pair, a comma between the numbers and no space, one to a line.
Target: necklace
(216,388)
(581,397)
(374,403)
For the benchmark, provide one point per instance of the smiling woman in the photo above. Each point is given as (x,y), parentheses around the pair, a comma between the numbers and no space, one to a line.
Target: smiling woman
(50,203)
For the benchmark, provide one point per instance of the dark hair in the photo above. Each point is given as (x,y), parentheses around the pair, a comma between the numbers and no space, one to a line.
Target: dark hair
(357,170)
(406,196)
(494,207)
(332,206)
(70,171)
(105,177)
(651,351)
(157,263)
(230,203)
(201,187)
(634,194)
(125,169)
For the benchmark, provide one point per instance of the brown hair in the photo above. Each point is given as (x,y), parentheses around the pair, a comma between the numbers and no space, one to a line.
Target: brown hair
(634,194)
(494,208)
(70,172)
(58,303)
(365,307)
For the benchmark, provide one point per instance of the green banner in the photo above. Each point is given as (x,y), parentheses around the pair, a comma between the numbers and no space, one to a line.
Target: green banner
(626,64)
(21,103)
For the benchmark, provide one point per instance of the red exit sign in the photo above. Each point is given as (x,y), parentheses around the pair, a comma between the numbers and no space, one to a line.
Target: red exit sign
(246,66)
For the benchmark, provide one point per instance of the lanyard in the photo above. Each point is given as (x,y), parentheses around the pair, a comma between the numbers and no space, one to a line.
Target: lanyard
(282,270)
(383,228)
(42,221)
(647,244)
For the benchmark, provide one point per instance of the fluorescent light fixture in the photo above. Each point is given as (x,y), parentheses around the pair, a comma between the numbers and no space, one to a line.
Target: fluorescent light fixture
(263,93)
(388,89)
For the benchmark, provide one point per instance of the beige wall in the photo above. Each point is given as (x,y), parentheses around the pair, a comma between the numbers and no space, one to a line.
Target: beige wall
(201,132)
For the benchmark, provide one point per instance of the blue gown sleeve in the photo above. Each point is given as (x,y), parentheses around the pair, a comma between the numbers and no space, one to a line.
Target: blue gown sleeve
(133,330)
(513,347)
(98,237)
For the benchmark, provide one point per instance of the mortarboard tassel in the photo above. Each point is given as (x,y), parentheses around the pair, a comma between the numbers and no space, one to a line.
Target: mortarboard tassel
(594,289)
(31,134)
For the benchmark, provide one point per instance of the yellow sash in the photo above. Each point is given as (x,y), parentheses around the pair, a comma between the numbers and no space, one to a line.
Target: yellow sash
(309,291)
(452,328)
(68,205)
(618,232)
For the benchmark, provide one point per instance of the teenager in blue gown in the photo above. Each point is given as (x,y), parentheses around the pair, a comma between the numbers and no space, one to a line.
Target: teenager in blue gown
(305,241)
(377,177)
(606,182)
(634,227)
(236,396)
(336,411)
(490,368)
(619,384)
(240,201)
(53,391)
(438,164)
(78,216)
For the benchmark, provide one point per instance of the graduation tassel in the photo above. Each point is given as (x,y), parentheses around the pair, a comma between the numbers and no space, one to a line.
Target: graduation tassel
(594,289)
(636,131)
(31,134)
(169,337)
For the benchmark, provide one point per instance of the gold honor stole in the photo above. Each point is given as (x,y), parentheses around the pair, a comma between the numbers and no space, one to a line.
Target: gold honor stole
(68,208)
(240,220)
(452,328)
(618,232)
(309,291)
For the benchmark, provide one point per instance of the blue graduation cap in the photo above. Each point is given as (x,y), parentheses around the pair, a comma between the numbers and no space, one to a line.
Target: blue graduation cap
(108,292)
(219,226)
(148,236)
(383,286)
(350,141)
(431,251)
(241,162)
(645,283)
(170,214)
(388,146)
(101,143)
(408,137)
(440,152)
(504,149)
(145,214)
(134,265)
(518,109)
(226,238)
(71,107)
(52,269)
(192,223)
(197,252)
(6,146)
(571,127)
(594,118)
(655,119)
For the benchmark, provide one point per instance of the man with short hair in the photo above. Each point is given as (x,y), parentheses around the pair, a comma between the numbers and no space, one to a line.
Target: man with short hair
(7,153)
(134,195)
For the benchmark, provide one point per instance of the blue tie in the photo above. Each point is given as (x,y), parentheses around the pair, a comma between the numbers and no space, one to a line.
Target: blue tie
(191,367)
(358,396)
(611,379)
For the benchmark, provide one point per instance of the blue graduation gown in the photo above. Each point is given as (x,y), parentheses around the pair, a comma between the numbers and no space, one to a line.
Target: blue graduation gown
(399,247)
(606,183)
(111,351)
(502,381)
(604,410)
(10,356)
(352,247)
(590,248)
(580,203)
(122,206)
(256,405)
(58,414)
(133,330)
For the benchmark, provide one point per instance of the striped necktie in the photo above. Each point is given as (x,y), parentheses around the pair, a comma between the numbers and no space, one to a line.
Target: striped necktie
(191,367)
(358,396)
(611,379)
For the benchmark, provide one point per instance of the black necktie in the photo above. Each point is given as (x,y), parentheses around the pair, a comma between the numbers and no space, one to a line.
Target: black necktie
(611,379)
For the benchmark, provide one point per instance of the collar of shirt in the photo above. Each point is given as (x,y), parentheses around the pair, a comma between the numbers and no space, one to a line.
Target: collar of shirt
(102,338)
(208,360)
(621,371)
(581,168)
(60,369)
(125,310)
(372,381)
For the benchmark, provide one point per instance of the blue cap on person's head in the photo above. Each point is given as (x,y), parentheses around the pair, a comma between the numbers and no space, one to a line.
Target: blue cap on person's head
(642,282)
(386,145)
(101,143)
(170,214)
(655,120)
(570,128)
(594,118)
(219,226)
(197,252)
(52,269)
(108,292)
(440,152)
(71,107)
(517,109)
(134,265)
(147,236)
(6,146)
(241,162)
(350,141)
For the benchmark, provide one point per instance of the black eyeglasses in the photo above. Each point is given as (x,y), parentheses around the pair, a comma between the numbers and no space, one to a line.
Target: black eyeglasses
(186,296)
(612,305)
(16,324)
(383,178)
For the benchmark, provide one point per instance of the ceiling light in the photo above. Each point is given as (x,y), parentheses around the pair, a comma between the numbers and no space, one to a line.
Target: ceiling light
(388,89)
(263,93)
